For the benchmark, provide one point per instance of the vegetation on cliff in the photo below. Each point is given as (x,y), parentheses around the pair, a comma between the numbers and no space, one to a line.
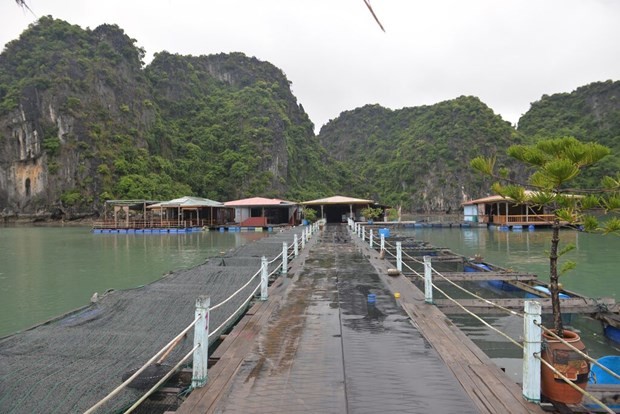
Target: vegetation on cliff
(83,120)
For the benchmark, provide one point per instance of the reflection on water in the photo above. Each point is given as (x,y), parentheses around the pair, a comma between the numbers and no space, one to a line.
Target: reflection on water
(45,271)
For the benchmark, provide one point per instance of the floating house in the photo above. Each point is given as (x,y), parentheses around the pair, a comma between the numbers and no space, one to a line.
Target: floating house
(264,212)
(188,212)
(502,211)
(128,216)
(125,214)
(337,209)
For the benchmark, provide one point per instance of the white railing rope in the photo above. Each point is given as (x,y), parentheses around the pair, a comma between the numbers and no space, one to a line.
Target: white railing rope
(140,370)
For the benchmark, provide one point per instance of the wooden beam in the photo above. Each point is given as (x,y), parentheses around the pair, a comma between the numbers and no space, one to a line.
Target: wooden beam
(570,305)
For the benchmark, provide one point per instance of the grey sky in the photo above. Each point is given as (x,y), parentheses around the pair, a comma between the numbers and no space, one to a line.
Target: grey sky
(508,53)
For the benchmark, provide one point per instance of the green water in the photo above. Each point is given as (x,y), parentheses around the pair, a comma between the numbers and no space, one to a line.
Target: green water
(598,257)
(46,271)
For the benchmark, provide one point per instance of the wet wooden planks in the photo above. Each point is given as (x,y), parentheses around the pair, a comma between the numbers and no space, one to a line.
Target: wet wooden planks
(237,345)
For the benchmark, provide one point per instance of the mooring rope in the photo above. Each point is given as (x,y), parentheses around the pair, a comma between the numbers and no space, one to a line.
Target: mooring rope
(212,308)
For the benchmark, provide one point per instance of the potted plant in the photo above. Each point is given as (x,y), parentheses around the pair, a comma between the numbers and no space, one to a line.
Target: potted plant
(370,213)
(310,215)
(554,165)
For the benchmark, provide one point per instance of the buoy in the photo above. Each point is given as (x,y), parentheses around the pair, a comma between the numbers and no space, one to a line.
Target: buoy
(396,295)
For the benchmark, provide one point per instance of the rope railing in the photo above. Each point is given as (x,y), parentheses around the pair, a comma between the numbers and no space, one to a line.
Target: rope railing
(275,258)
(236,292)
(141,369)
(162,380)
(168,347)
(511,312)
(244,304)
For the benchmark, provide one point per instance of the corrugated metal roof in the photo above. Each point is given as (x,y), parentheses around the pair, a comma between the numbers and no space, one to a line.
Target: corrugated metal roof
(338,200)
(494,199)
(187,201)
(259,202)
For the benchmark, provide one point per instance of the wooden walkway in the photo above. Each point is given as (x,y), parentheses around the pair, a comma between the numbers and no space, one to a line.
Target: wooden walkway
(234,381)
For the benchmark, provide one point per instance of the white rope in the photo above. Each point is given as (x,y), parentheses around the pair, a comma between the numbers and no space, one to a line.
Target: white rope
(235,312)
(274,271)
(572,384)
(161,381)
(236,292)
(571,346)
(139,371)
(509,311)
(479,318)
(275,258)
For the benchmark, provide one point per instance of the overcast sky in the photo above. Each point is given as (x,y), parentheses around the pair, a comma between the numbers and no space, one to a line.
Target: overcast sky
(508,53)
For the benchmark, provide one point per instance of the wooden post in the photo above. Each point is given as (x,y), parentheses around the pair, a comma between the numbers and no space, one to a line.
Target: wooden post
(303,239)
(296,246)
(201,337)
(370,238)
(284,258)
(531,345)
(428,280)
(399,256)
(359,229)
(382,242)
(264,279)
(363,233)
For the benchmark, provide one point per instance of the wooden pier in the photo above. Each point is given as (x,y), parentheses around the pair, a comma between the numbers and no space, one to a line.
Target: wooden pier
(287,354)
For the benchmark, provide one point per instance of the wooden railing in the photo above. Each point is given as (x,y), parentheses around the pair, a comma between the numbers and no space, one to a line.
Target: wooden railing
(524,219)
(151,224)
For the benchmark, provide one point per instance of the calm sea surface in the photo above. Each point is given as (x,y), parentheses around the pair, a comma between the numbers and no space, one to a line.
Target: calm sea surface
(46,271)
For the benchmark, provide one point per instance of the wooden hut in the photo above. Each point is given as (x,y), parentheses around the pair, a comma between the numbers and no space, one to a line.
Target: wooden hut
(503,211)
(337,209)
(263,212)
(186,212)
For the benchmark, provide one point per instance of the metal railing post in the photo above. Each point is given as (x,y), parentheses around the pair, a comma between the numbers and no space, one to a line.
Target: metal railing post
(370,238)
(284,258)
(531,345)
(399,256)
(264,279)
(296,246)
(428,280)
(201,337)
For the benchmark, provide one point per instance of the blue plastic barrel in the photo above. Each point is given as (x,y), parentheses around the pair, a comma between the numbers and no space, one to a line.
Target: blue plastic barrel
(372,298)
(598,376)
(385,232)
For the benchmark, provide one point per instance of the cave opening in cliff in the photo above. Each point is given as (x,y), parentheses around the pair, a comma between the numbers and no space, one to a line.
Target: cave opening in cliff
(27,184)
